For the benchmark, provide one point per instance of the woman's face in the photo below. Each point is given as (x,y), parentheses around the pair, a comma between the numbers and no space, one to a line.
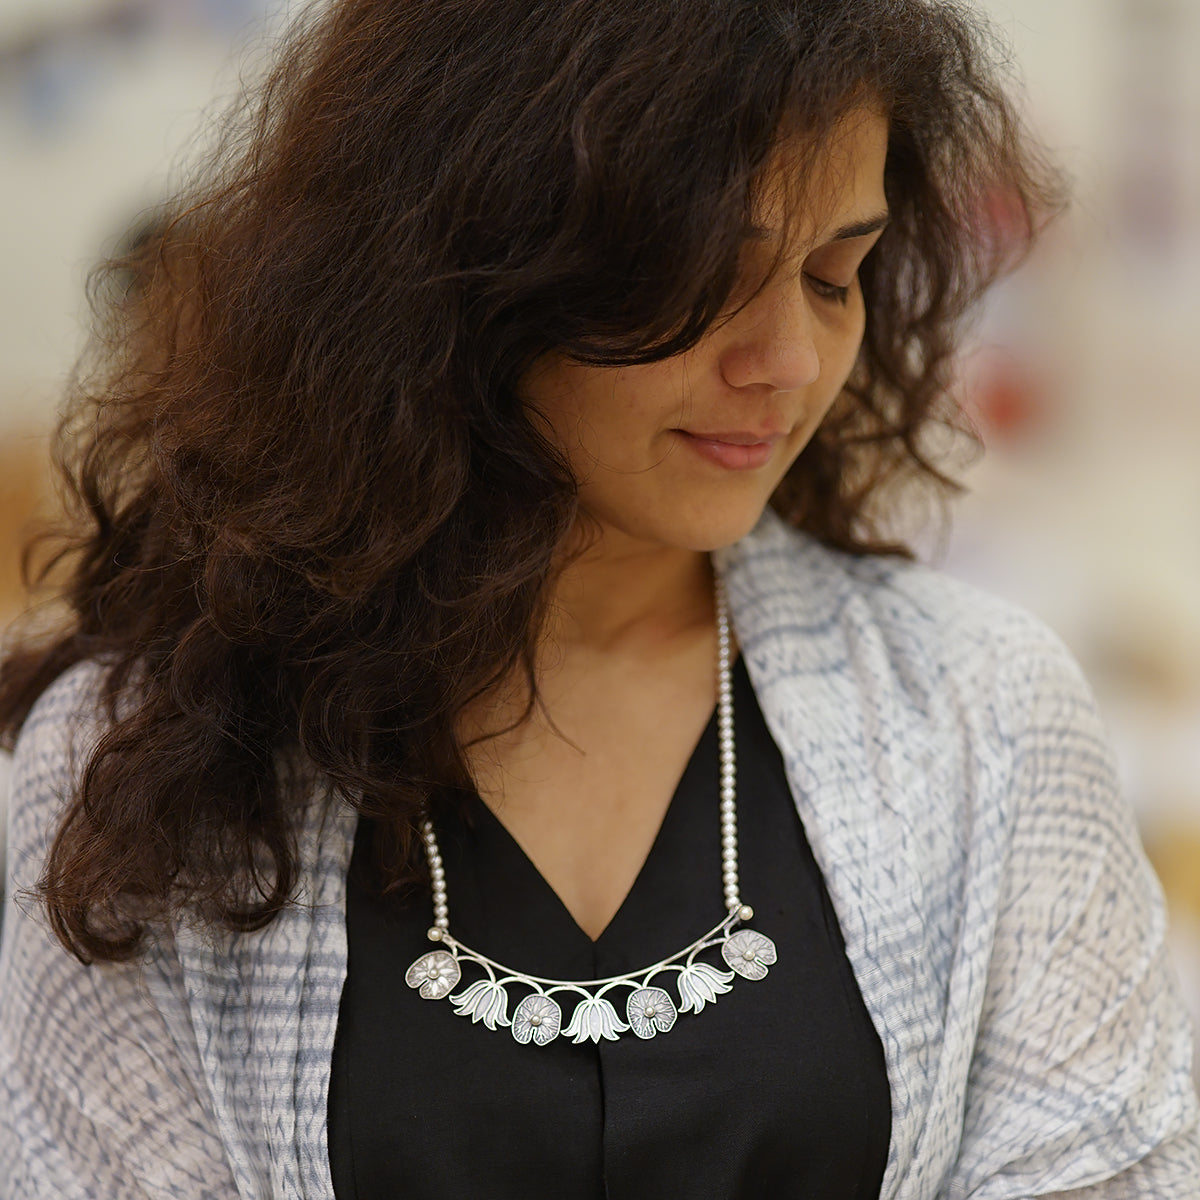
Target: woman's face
(686,452)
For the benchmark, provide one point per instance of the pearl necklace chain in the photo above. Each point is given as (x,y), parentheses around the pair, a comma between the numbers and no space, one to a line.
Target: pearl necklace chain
(649,1010)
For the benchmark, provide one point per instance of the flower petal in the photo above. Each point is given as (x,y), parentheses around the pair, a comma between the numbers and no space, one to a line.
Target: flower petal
(498,1013)
(436,974)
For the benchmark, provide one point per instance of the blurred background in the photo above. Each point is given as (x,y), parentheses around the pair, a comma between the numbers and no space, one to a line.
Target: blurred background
(1082,376)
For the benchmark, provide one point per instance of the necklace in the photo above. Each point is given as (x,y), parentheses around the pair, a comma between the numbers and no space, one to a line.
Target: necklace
(649,1010)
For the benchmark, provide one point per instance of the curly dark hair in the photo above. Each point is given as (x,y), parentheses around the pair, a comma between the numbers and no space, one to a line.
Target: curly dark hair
(315,521)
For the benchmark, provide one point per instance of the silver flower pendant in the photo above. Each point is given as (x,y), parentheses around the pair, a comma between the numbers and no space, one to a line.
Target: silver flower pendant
(540,1017)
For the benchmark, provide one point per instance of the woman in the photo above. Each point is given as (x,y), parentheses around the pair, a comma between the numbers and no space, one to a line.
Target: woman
(511,366)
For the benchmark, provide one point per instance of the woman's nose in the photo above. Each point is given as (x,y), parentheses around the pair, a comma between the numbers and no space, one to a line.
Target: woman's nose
(771,344)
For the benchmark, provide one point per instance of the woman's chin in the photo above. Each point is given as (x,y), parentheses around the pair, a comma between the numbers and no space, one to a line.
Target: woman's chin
(701,532)
(726,533)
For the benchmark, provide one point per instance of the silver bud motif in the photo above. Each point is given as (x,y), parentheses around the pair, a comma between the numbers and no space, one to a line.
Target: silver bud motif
(701,984)
(483,1001)
(594,1018)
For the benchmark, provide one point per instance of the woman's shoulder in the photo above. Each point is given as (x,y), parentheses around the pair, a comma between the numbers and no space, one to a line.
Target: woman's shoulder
(50,754)
(63,724)
(99,1055)
(70,702)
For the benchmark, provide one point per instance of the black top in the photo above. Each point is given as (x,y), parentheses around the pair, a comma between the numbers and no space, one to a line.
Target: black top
(778,1089)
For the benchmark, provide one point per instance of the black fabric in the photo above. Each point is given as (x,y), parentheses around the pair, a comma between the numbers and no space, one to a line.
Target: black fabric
(778,1089)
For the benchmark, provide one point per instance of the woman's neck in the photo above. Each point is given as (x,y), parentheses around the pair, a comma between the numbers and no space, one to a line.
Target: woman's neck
(620,609)
(627,596)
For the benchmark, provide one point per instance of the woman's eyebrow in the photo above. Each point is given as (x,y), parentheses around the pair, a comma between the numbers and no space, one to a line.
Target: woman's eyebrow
(855,229)
(861,228)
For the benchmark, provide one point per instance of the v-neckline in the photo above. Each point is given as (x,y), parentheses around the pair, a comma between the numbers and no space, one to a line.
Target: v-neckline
(612,930)
(693,786)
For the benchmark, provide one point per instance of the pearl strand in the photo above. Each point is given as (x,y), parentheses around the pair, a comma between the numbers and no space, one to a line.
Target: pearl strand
(728,793)
(728,772)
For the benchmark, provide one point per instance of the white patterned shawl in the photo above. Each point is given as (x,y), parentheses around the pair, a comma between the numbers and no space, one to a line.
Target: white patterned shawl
(956,785)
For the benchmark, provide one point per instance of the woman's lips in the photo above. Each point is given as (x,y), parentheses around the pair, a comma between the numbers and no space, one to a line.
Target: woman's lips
(734,451)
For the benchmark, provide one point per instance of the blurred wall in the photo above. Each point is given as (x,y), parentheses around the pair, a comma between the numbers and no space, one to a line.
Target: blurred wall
(98,101)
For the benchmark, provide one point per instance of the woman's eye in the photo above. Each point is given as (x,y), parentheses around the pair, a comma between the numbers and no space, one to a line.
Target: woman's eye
(830,291)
